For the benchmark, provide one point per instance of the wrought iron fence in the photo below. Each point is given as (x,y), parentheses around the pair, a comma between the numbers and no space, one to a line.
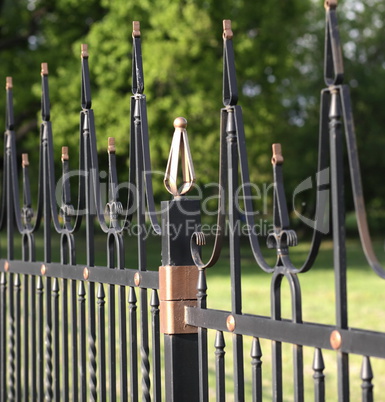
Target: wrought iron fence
(75,332)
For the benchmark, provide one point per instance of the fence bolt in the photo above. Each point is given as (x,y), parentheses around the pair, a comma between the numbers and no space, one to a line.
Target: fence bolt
(335,340)
(86,273)
(137,279)
(230,323)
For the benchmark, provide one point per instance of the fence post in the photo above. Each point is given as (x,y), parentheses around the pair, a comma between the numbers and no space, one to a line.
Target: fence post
(178,276)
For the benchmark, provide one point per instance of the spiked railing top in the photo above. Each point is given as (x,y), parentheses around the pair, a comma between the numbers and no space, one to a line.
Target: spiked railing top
(137,65)
(277,158)
(86,86)
(45,103)
(227,32)
(8,83)
(333,61)
(135,29)
(9,123)
(44,69)
(84,51)
(230,91)
(24,160)
(331,4)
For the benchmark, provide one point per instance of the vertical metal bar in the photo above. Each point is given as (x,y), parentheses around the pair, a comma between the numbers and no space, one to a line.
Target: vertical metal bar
(40,337)
(112,341)
(3,336)
(47,258)
(16,289)
(202,341)
(48,342)
(157,386)
(90,228)
(123,344)
(92,340)
(102,343)
(366,377)
(10,255)
(111,322)
(64,336)
(276,346)
(82,342)
(74,341)
(33,340)
(319,376)
(142,263)
(220,366)
(56,339)
(298,373)
(64,248)
(26,338)
(235,260)
(339,250)
(256,364)
(67,255)
(133,342)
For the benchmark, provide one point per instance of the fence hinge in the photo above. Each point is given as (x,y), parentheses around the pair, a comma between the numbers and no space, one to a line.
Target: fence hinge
(177,290)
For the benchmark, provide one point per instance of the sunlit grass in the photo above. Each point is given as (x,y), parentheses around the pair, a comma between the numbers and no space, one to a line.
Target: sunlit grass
(365,310)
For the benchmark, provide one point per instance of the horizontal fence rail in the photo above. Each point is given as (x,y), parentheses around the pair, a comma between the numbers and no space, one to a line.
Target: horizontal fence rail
(81,331)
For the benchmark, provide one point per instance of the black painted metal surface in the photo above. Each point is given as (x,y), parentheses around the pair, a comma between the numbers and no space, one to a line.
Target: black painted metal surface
(79,331)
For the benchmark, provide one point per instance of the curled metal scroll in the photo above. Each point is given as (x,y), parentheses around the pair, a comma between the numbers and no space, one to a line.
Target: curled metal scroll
(283,236)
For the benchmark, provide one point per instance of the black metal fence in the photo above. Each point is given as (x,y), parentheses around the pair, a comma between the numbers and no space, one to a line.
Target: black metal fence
(79,331)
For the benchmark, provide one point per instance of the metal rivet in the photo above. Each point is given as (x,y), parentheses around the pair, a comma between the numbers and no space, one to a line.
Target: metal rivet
(86,273)
(6,266)
(43,269)
(230,323)
(137,279)
(335,340)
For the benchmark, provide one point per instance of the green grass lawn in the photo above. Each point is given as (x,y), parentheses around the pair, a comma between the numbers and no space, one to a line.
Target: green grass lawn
(365,290)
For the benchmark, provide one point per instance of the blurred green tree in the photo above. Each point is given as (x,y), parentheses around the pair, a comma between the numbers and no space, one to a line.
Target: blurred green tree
(278,48)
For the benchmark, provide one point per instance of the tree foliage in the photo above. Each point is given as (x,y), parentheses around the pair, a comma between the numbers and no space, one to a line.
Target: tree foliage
(278,46)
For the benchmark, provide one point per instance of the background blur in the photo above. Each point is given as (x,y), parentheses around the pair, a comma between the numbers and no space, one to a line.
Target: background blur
(279,59)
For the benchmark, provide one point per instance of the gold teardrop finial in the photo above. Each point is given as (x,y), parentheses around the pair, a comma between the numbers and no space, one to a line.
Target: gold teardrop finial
(179,146)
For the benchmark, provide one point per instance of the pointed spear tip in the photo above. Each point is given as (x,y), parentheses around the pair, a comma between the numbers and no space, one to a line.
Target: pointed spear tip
(180,122)
(277,158)
(44,68)
(227,32)
(64,154)
(135,29)
(111,145)
(84,51)
(8,83)
(24,160)
(330,4)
